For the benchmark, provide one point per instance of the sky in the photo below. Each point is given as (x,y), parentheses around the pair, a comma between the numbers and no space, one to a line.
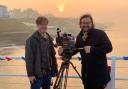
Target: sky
(70,8)
(113,11)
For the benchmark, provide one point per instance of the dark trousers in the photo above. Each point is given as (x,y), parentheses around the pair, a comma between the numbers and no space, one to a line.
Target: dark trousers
(94,87)
(41,82)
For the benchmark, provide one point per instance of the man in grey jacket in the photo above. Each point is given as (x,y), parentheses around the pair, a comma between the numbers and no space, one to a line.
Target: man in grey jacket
(40,58)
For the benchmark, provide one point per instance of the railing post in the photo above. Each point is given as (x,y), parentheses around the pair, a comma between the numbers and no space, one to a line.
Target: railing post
(113,72)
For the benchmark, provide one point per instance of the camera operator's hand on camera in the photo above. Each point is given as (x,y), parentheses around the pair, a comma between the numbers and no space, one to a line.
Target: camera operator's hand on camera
(60,50)
(87,49)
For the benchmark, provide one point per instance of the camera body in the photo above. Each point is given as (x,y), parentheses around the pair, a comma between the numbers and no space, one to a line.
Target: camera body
(67,41)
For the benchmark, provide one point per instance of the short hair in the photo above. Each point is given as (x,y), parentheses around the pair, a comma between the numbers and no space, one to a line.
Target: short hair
(41,19)
(86,16)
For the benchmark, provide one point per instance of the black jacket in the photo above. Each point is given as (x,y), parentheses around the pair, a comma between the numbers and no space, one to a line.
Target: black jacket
(94,64)
(40,55)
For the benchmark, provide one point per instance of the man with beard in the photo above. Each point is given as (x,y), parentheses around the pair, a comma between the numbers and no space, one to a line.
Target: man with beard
(96,44)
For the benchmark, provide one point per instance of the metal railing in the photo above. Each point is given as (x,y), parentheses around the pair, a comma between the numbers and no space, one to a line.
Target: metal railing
(113,67)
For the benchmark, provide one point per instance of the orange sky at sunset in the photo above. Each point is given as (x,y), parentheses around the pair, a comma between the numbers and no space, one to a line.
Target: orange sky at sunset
(70,8)
(111,13)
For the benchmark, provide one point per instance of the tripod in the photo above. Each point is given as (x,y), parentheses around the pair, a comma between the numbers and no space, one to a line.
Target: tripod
(61,76)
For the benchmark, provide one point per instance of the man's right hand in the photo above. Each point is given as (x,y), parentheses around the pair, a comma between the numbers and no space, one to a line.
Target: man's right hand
(32,78)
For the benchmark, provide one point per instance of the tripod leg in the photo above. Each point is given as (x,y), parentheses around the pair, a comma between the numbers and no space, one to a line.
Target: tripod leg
(75,69)
(66,76)
(59,85)
(59,79)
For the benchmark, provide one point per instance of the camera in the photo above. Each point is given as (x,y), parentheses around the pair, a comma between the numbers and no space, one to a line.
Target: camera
(67,41)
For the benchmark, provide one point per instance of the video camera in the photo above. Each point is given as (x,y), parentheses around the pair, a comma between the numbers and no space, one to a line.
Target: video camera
(67,41)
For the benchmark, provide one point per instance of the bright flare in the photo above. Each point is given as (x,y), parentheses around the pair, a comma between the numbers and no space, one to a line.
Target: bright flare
(61,8)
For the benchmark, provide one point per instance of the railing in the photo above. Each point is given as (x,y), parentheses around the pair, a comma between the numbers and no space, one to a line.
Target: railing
(113,68)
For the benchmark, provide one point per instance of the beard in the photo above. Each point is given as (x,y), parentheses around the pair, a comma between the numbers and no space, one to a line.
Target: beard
(85,29)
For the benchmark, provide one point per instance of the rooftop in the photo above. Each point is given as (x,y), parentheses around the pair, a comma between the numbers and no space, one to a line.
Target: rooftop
(3,6)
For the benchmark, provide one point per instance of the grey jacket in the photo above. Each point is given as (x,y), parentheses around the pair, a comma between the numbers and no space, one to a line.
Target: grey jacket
(40,55)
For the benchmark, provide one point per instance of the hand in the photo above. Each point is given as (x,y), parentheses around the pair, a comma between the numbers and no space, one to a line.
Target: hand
(54,70)
(56,73)
(60,50)
(87,49)
(32,78)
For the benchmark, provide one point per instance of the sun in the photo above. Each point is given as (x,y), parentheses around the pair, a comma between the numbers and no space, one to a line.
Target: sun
(61,8)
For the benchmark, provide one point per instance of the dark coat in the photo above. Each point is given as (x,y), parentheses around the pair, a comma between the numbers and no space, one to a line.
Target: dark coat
(94,64)
(40,55)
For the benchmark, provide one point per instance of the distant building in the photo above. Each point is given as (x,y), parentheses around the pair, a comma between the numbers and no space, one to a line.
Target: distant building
(3,11)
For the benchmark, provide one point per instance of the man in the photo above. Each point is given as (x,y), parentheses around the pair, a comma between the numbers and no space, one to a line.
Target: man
(96,44)
(40,57)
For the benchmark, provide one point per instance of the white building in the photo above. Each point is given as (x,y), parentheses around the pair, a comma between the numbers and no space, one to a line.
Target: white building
(3,11)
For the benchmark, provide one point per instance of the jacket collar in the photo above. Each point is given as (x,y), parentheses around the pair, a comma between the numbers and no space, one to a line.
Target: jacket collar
(38,36)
